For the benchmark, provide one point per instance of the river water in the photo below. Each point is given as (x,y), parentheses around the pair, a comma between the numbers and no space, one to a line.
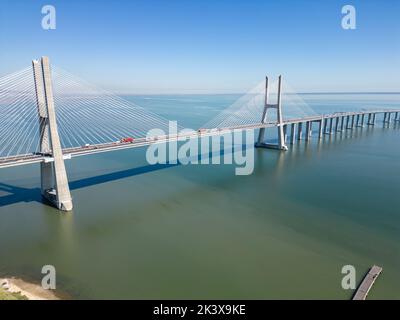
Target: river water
(200,231)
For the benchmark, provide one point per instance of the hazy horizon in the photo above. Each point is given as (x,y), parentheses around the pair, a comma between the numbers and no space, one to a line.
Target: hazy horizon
(242,93)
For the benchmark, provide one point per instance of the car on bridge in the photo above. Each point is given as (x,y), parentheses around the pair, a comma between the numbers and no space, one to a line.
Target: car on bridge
(127,140)
(45,154)
(152,138)
(202,130)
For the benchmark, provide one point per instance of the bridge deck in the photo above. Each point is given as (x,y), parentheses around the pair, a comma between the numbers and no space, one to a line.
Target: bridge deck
(366,284)
(140,142)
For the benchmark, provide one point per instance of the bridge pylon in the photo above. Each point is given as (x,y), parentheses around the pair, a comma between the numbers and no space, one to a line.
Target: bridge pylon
(54,181)
(280,124)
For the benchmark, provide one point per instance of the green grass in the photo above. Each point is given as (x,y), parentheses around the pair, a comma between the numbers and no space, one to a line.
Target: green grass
(11,296)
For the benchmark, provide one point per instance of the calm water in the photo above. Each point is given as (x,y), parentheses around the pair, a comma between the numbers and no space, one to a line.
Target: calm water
(140,231)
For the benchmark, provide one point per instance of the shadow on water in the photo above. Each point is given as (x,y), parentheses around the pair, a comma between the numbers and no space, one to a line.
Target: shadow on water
(19,194)
(113,176)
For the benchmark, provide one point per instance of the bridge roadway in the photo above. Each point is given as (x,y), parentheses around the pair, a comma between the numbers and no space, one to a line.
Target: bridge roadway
(69,153)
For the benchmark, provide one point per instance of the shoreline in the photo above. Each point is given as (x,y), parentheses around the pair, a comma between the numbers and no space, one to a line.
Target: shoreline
(29,290)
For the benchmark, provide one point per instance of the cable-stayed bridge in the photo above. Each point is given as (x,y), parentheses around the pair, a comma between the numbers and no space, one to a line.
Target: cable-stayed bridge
(48,115)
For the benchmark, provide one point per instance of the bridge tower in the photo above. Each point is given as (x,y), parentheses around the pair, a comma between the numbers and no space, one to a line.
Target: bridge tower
(54,181)
(280,124)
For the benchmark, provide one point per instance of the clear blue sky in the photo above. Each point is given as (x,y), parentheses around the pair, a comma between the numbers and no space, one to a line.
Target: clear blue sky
(170,46)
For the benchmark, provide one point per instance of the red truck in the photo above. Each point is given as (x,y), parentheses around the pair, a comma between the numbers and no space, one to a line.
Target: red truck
(127,140)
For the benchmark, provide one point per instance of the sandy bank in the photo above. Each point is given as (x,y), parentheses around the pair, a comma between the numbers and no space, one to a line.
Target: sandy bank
(29,290)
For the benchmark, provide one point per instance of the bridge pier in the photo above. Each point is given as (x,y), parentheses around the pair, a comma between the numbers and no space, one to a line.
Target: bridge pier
(347,122)
(371,122)
(307,134)
(396,117)
(280,124)
(54,181)
(325,126)
(321,126)
(292,133)
(326,129)
(385,116)
(46,177)
(285,134)
(299,131)
(341,124)
(337,124)
(369,119)
(352,121)
(388,118)
(359,121)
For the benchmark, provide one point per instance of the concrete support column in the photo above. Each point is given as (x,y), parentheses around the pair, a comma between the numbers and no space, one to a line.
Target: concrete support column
(362,120)
(321,126)
(396,116)
(53,174)
(358,121)
(373,119)
(330,125)
(281,138)
(337,124)
(284,134)
(47,178)
(369,120)
(352,121)
(348,122)
(309,130)
(307,134)
(384,117)
(299,131)
(342,124)
(292,133)
(261,133)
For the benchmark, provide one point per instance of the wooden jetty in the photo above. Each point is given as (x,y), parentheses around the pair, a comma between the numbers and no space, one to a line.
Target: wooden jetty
(366,284)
